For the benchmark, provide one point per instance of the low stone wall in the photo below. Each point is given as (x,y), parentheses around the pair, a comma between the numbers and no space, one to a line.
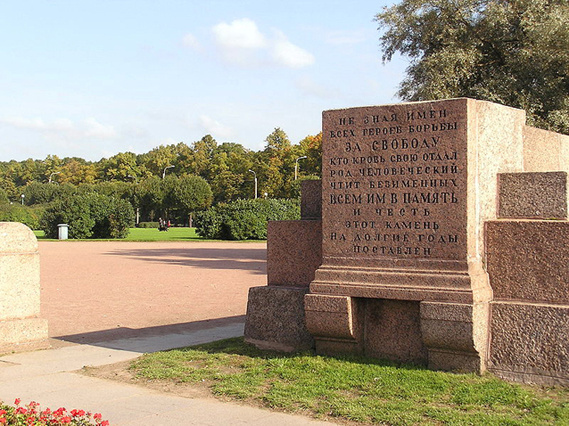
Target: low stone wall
(276,312)
(529,331)
(20,320)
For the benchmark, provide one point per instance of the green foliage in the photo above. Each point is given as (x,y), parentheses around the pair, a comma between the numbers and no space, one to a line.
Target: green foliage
(89,215)
(202,173)
(41,193)
(244,219)
(18,213)
(148,225)
(3,197)
(191,193)
(357,389)
(511,52)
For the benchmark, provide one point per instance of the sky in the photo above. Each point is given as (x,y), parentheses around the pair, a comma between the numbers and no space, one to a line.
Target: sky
(92,78)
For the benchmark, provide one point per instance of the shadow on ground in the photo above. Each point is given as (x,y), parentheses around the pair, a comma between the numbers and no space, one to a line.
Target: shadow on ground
(249,259)
(151,339)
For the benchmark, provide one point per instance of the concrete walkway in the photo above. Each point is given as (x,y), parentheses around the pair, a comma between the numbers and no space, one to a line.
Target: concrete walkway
(108,302)
(50,378)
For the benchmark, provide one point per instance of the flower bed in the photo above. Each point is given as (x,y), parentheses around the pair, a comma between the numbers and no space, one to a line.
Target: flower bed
(33,415)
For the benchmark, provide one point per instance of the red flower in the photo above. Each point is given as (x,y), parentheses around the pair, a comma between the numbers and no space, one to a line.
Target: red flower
(97,416)
(65,419)
(2,412)
(105,423)
(17,401)
(77,413)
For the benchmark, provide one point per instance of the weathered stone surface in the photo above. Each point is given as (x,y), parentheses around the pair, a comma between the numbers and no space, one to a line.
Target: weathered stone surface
(385,319)
(455,335)
(532,195)
(311,200)
(293,252)
(275,319)
(530,342)
(331,316)
(19,286)
(527,260)
(545,151)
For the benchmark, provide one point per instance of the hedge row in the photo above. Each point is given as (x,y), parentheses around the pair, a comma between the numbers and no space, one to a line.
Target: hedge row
(244,219)
(89,215)
(17,213)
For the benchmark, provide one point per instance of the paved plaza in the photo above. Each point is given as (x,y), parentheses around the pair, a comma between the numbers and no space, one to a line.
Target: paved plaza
(111,302)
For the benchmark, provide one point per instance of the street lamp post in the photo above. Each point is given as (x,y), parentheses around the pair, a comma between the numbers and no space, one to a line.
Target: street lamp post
(51,175)
(255,174)
(136,193)
(296,166)
(164,172)
(23,196)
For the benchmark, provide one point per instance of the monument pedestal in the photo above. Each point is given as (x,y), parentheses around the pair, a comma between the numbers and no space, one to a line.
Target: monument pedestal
(405,192)
(443,241)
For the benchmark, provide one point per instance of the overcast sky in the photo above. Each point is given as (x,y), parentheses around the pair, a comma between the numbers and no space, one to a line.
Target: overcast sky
(91,78)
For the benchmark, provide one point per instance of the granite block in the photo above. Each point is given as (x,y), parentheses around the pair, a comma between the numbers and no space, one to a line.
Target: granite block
(330,316)
(393,331)
(530,342)
(532,195)
(528,260)
(545,151)
(311,200)
(275,319)
(294,252)
(19,286)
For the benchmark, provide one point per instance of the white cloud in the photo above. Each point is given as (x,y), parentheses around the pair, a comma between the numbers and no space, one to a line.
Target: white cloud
(241,42)
(191,41)
(215,128)
(290,55)
(64,128)
(91,128)
(240,33)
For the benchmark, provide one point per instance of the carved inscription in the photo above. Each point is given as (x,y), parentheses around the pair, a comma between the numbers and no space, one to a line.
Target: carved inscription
(394,182)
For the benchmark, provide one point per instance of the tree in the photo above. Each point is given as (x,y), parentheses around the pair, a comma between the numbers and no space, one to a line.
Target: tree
(311,146)
(276,165)
(191,193)
(513,52)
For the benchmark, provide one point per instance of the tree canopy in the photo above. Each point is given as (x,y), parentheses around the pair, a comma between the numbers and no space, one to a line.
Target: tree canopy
(198,175)
(513,52)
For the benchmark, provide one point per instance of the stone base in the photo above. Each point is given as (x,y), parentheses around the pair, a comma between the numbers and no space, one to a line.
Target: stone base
(17,331)
(275,319)
(444,336)
(455,335)
(530,342)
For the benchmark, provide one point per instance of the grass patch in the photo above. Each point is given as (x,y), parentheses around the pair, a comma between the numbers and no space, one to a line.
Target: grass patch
(354,388)
(147,234)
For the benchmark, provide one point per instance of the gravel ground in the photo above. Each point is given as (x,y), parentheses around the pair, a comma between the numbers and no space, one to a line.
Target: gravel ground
(119,289)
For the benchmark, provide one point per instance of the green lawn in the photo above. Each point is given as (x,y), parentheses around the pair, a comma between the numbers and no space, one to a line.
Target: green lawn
(354,389)
(150,234)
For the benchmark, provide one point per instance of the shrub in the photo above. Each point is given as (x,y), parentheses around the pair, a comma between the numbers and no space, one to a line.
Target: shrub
(89,215)
(17,213)
(148,225)
(244,219)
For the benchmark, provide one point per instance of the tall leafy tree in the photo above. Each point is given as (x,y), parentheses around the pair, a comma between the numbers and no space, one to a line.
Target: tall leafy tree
(514,52)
